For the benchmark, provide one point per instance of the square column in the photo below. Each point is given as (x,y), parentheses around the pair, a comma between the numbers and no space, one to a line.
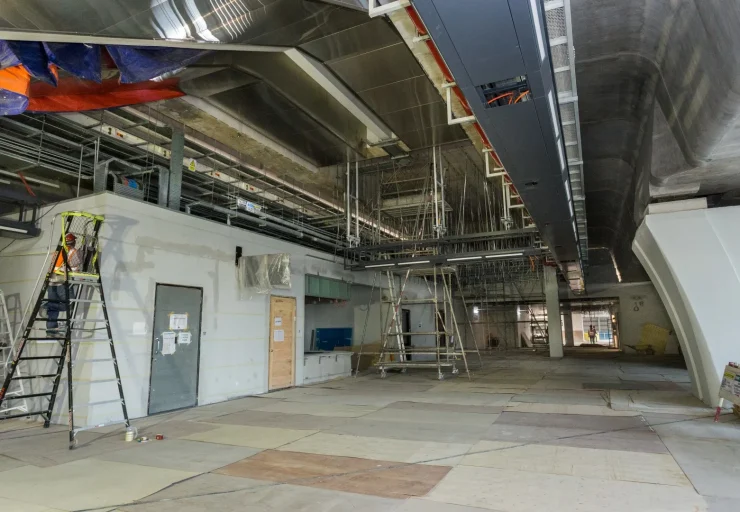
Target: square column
(552,300)
(568,328)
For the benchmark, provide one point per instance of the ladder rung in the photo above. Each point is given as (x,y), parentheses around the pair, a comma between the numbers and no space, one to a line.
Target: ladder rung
(82,429)
(87,301)
(32,395)
(92,360)
(39,338)
(35,358)
(85,283)
(430,364)
(12,416)
(88,382)
(29,377)
(102,402)
(91,340)
(40,318)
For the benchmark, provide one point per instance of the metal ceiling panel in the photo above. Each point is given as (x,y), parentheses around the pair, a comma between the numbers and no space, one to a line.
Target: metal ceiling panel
(488,58)
(417,118)
(369,36)
(401,95)
(427,137)
(374,69)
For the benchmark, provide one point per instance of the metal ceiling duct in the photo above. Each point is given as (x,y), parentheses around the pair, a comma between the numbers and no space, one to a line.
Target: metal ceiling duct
(497,50)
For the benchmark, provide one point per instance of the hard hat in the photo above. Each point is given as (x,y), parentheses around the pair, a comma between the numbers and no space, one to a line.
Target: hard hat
(70,239)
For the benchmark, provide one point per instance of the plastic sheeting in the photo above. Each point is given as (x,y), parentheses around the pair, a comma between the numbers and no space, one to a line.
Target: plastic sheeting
(14,86)
(80,60)
(73,95)
(33,57)
(85,89)
(261,274)
(137,64)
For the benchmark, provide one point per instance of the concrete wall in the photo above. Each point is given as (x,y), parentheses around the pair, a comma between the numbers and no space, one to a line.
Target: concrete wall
(693,258)
(144,245)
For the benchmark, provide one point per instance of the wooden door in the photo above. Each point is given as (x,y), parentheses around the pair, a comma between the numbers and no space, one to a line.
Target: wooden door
(282,342)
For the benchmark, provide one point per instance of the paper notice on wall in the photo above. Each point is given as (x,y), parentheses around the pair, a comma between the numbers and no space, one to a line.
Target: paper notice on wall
(278,321)
(178,321)
(279,335)
(184,338)
(139,329)
(169,343)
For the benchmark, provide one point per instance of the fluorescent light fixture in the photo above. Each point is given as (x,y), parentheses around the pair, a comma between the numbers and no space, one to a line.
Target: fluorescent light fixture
(469,258)
(575,229)
(560,155)
(378,266)
(553,114)
(476,310)
(567,189)
(15,230)
(537,28)
(414,262)
(570,205)
(507,255)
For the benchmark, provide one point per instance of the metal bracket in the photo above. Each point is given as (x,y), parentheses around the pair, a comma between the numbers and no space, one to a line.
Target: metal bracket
(497,171)
(379,10)
(450,120)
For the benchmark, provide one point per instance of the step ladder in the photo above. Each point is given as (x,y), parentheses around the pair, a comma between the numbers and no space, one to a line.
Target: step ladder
(7,346)
(448,350)
(42,354)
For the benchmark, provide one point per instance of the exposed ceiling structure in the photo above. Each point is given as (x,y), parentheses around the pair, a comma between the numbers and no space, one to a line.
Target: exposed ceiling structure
(300,87)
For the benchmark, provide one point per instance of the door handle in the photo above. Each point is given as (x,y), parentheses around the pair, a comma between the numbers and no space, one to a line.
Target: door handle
(157,349)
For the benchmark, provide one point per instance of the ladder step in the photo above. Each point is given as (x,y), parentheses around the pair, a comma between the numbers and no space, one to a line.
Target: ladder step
(91,340)
(102,425)
(92,360)
(84,283)
(89,382)
(87,301)
(407,364)
(29,377)
(37,358)
(12,416)
(39,338)
(102,402)
(39,319)
(32,395)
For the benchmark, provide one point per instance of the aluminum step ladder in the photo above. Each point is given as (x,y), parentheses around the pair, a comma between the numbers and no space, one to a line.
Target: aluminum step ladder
(7,347)
(42,354)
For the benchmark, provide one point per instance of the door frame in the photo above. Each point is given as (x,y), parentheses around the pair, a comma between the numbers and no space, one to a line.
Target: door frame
(269,340)
(151,350)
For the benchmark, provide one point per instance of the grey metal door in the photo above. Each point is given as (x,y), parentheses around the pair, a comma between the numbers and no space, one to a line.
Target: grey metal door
(175,348)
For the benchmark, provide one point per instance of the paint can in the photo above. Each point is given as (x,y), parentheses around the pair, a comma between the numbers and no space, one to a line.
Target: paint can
(159,437)
(129,435)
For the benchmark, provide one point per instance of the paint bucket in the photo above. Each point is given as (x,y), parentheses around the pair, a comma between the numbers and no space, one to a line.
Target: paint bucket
(130,434)
(159,437)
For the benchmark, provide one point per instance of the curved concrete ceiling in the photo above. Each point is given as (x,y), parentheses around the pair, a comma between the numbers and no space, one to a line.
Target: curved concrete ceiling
(659,90)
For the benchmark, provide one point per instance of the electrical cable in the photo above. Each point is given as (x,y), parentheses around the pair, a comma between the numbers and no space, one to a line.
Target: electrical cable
(500,96)
(522,95)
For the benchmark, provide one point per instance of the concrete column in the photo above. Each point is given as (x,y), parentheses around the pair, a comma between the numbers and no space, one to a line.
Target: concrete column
(553,312)
(177,153)
(692,257)
(568,324)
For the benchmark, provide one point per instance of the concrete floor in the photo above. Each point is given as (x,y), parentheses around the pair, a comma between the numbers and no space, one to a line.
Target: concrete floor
(586,433)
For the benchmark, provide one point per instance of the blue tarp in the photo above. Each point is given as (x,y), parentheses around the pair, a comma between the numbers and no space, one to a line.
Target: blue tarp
(138,64)
(80,60)
(33,57)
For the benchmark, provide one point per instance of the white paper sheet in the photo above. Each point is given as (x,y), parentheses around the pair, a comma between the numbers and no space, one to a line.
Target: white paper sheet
(169,343)
(184,338)
(278,321)
(139,328)
(279,335)
(178,321)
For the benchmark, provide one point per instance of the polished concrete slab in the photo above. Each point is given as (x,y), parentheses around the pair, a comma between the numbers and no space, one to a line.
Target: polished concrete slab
(526,434)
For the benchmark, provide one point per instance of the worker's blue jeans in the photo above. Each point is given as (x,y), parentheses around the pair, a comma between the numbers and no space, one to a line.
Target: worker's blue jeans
(56,292)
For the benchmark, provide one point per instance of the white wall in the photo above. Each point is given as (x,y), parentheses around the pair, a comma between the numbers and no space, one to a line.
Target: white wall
(143,245)
(693,258)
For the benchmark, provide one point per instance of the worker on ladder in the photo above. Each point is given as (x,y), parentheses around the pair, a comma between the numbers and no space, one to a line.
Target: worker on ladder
(57,292)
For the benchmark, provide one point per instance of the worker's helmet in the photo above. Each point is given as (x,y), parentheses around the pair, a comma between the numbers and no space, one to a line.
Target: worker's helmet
(70,239)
